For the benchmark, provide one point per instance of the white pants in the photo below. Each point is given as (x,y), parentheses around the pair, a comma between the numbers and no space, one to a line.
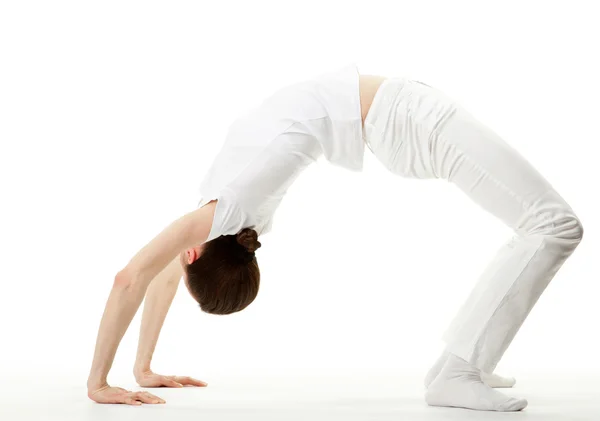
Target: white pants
(416,131)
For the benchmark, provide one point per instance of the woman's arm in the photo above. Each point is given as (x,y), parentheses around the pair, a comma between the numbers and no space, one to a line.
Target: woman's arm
(131,284)
(158,299)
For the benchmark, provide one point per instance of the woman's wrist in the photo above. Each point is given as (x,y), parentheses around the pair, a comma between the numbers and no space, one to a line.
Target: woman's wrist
(141,367)
(95,383)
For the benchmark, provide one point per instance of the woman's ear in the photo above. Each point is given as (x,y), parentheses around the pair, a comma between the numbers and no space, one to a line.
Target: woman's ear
(192,254)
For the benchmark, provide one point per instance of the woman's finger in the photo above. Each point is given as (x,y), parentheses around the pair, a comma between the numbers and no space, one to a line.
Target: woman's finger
(131,401)
(192,382)
(169,382)
(154,398)
(143,397)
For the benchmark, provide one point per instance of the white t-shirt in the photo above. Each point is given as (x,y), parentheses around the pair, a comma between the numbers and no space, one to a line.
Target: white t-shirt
(265,150)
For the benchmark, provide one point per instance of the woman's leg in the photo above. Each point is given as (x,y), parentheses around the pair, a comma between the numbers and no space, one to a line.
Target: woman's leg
(546,232)
(417,131)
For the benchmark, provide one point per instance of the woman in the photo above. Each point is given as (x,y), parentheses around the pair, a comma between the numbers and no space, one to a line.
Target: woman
(415,131)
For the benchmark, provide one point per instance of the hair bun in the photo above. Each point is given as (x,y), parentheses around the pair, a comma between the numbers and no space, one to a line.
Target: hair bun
(248,238)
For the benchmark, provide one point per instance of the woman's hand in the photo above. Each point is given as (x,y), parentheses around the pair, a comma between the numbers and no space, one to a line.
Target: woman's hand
(109,394)
(150,379)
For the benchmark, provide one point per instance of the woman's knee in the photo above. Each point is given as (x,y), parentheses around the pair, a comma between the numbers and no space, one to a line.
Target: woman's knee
(578,230)
(569,228)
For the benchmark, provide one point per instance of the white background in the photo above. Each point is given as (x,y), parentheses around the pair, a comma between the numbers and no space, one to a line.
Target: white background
(110,112)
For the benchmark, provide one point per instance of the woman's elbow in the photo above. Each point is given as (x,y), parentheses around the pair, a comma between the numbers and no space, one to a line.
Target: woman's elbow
(123,279)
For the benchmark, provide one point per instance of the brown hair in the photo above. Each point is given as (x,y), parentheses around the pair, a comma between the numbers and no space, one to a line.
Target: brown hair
(225,278)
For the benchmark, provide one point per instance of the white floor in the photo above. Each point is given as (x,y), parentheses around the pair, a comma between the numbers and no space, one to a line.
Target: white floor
(332,397)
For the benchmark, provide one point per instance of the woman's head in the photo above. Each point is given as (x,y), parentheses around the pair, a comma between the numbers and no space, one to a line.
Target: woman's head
(223,275)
